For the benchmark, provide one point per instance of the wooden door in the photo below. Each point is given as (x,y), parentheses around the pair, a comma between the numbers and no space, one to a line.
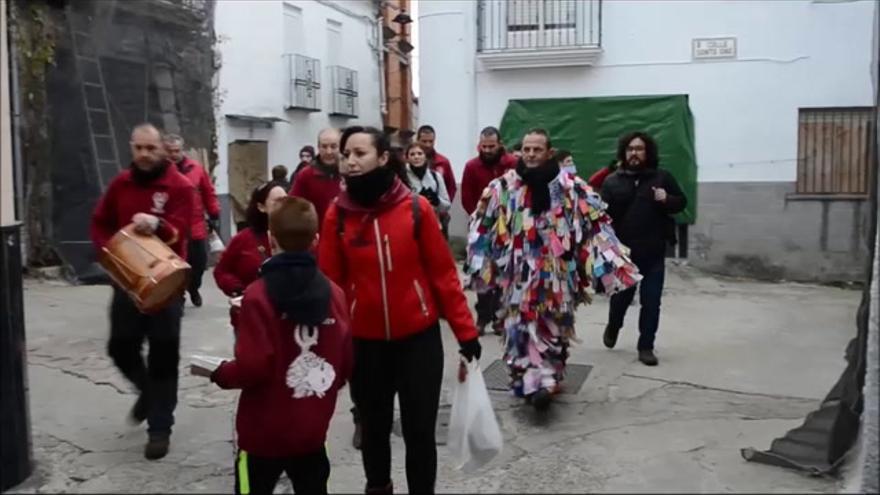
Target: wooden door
(248,168)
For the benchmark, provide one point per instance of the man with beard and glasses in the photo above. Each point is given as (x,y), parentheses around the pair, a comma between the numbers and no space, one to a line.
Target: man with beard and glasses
(158,199)
(492,162)
(319,182)
(541,237)
(641,201)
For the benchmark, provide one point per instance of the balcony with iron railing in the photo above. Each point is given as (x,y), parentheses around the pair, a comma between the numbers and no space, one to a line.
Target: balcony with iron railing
(539,33)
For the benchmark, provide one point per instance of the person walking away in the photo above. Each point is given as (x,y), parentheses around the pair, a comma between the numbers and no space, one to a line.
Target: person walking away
(427,137)
(279,175)
(319,182)
(380,243)
(491,163)
(205,201)
(541,237)
(292,355)
(240,262)
(422,180)
(152,194)
(641,200)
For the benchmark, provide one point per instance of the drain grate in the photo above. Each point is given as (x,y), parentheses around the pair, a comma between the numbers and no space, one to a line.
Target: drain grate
(497,377)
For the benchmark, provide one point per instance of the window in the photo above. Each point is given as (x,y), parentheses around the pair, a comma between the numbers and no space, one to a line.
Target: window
(334,42)
(293,30)
(540,15)
(538,24)
(344,83)
(836,151)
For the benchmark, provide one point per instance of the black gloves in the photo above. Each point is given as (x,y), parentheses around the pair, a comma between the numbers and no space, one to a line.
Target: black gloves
(431,196)
(214,225)
(471,349)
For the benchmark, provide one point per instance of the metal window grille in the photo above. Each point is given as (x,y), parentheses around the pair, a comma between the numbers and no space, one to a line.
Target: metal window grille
(304,82)
(538,24)
(345,91)
(836,151)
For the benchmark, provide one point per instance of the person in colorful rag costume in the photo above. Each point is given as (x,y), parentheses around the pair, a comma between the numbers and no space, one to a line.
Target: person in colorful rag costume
(541,236)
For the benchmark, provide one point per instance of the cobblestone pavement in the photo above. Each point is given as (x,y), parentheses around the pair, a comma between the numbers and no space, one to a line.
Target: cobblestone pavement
(741,363)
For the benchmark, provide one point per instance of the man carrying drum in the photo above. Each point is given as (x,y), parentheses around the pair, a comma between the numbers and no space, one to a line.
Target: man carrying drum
(157,200)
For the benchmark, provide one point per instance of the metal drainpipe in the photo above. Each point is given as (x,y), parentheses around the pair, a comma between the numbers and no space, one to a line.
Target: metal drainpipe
(18,168)
(380,49)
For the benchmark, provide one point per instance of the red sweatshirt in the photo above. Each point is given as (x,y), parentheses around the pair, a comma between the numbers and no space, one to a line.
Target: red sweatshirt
(205,197)
(169,197)
(477,175)
(441,164)
(595,181)
(270,422)
(317,186)
(240,262)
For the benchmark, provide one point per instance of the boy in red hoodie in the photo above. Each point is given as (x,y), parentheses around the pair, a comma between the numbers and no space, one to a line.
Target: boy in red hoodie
(292,355)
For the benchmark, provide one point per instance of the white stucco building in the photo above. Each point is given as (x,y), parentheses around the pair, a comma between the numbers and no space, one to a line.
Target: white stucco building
(287,70)
(782,97)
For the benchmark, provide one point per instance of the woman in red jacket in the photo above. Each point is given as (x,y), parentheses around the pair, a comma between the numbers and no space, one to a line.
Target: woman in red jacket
(240,263)
(379,242)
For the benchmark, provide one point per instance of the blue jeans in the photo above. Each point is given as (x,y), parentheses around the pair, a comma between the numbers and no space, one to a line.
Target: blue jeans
(650,291)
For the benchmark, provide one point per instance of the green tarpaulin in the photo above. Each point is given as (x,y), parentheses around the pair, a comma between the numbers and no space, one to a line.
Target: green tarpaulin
(590,128)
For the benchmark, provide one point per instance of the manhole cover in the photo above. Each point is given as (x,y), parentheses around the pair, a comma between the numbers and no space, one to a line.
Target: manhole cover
(497,377)
(442,424)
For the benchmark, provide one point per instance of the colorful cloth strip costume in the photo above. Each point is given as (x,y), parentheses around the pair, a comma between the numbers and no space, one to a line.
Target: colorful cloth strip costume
(545,266)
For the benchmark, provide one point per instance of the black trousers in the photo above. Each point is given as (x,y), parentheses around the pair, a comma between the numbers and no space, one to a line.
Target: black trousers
(157,378)
(259,475)
(197,257)
(650,294)
(412,368)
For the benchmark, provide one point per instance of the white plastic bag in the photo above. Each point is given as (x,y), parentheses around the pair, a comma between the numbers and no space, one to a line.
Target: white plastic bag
(474,437)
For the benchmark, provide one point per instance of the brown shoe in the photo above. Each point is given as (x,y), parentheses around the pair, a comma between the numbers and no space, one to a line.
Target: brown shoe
(157,447)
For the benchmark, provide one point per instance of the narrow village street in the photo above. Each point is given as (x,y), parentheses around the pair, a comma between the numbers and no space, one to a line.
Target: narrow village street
(741,362)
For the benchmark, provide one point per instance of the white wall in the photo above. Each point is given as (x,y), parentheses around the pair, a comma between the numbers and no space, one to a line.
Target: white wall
(253,75)
(791,54)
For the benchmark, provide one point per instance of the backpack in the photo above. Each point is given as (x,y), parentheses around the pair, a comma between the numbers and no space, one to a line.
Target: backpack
(416,215)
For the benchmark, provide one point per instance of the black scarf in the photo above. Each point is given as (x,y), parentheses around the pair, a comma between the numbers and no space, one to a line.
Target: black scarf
(366,189)
(144,177)
(419,171)
(296,287)
(538,181)
(328,170)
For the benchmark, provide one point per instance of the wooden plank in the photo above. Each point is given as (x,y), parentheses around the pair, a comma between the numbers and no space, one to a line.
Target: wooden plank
(802,163)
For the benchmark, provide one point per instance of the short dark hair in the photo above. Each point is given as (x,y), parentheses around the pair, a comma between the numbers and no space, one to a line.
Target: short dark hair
(294,223)
(651,156)
(424,130)
(279,172)
(541,132)
(256,219)
(562,155)
(490,131)
(382,142)
(307,149)
(517,146)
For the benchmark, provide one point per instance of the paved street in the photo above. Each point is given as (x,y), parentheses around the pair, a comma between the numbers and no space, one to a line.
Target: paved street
(741,363)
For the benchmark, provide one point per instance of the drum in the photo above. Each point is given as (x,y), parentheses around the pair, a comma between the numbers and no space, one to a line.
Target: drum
(150,272)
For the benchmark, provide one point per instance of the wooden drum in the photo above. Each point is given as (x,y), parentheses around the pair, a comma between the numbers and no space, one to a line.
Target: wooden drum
(150,272)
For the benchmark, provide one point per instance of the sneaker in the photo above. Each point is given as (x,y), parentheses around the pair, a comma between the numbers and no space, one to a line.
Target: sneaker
(609,338)
(541,399)
(647,357)
(357,437)
(196,298)
(139,411)
(157,446)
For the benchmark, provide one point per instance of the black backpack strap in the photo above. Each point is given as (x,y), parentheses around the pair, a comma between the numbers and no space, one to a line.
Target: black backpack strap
(417,216)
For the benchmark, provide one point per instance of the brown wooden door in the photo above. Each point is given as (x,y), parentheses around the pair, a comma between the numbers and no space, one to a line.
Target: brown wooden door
(248,168)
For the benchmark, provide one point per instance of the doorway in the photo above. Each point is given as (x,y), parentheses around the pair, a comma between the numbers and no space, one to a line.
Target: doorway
(248,168)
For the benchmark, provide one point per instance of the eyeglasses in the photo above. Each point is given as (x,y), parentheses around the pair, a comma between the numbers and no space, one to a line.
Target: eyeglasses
(635,148)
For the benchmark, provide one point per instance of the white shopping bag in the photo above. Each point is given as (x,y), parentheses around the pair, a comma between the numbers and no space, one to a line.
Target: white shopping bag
(474,438)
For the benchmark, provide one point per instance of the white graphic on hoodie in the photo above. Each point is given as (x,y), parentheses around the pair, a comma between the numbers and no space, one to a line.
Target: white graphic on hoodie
(309,374)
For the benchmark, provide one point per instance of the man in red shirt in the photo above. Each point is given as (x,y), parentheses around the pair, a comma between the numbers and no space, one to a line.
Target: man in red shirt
(205,200)
(479,171)
(154,196)
(426,137)
(319,182)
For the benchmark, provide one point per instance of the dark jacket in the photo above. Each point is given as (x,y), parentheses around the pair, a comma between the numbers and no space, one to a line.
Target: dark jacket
(279,413)
(642,223)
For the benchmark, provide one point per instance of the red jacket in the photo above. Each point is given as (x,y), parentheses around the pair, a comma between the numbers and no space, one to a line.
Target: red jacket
(441,164)
(477,175)
(205,197)
(169,197)
(317,186)
(397,286)
(240,262)
(270,421)
(595,181)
